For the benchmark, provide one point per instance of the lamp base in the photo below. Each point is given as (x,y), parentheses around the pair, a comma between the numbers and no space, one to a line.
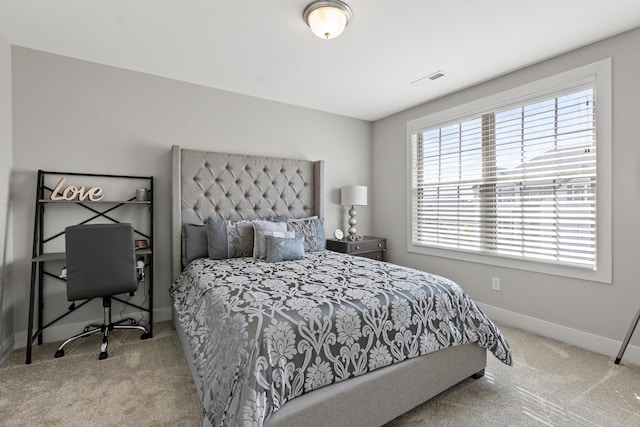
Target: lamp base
(352,221)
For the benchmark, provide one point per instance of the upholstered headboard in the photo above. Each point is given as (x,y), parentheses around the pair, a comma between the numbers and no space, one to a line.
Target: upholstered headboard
(234,186)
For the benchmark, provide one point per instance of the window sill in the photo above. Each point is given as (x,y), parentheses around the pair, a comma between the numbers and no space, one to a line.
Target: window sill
(602,274)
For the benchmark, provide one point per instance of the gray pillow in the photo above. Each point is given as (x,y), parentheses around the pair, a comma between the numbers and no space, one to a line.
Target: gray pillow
(229,239)
(284,249)
(277,234)
(311,230)
(194,242)
(259,229)
(321,242)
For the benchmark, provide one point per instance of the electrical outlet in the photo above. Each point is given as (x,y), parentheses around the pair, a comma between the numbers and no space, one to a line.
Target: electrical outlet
(495,283)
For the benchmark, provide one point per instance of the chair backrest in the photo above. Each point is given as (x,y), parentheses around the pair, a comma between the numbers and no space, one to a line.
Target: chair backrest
(101,260)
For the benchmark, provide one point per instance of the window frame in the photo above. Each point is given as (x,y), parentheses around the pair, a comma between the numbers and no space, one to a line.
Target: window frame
(599,75)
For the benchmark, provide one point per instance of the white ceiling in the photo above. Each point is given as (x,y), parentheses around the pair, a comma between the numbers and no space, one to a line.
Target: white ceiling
(264,49)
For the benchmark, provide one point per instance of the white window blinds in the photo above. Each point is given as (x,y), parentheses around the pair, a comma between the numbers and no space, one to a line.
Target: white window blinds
(518,182)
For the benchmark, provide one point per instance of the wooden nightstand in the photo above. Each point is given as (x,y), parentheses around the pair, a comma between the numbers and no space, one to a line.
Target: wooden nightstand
(368,247)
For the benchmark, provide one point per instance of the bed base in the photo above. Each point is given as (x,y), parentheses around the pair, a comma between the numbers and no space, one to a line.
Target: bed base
(378,397)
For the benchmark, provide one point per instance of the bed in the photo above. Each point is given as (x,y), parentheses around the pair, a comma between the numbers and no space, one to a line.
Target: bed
(332,330)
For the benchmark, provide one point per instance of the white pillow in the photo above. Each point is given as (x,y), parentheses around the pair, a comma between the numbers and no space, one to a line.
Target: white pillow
(258,238)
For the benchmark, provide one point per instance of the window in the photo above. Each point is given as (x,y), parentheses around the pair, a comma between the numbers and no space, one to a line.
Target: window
(518,179)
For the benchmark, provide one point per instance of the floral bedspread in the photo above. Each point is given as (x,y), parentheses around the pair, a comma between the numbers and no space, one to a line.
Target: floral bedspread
(263,333)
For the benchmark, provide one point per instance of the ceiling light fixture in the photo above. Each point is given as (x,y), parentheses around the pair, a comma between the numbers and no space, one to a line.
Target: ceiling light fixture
(327,19)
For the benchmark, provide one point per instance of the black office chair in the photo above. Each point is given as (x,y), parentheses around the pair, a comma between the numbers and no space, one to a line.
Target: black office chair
(101,262)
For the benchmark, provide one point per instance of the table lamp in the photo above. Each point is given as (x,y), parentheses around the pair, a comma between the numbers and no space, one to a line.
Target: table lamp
(355,195)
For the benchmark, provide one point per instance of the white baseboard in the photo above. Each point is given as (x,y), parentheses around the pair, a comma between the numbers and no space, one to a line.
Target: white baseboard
(5,348)
(66,330)
(591,342)
(571,336)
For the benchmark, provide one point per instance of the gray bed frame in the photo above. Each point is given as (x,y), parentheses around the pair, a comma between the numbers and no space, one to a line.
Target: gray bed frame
(236,186)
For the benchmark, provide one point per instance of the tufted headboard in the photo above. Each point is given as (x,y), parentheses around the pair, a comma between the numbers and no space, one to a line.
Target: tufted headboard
(234,186)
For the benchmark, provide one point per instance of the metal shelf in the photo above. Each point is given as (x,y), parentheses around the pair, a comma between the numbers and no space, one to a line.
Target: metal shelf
(98,202)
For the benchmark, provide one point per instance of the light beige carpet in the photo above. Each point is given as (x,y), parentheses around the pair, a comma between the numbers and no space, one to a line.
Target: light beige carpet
(141,383)
(146,383)
(549,384)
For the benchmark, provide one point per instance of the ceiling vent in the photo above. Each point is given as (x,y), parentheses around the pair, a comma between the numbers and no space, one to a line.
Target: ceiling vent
(426,79)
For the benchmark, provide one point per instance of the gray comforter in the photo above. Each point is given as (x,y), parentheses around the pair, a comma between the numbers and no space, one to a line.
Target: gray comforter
(263,333)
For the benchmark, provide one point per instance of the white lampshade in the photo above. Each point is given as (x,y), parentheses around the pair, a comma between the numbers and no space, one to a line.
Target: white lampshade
(355,195)
(327,19)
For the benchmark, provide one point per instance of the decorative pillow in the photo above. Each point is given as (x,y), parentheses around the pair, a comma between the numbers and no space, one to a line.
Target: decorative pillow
(284,249)
(229,239)
(321,243)
(194,242)
(259,229)
(263,234)
(311,230)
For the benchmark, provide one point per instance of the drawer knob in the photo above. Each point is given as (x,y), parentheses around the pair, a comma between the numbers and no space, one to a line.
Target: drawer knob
(357,247)
(379,245)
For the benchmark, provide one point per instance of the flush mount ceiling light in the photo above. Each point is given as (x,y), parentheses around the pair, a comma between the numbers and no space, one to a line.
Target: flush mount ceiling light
(327,19)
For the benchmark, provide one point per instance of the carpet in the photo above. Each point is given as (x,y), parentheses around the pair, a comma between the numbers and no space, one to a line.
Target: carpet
(141,383)
(550,384)
(147,383)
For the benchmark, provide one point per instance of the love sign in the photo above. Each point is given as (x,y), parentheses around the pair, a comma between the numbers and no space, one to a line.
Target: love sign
(72,192)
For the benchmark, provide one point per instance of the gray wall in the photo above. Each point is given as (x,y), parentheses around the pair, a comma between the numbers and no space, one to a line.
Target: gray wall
(79,116)
(589,314)
(6,285)
(71,115)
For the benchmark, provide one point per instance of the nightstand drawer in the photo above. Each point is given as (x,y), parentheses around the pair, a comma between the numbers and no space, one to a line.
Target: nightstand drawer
(368,246)
(377,255)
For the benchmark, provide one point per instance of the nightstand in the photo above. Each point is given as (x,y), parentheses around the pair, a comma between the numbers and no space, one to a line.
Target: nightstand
(368,247)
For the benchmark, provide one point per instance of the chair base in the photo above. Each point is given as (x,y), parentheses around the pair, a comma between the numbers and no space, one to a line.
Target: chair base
(103,354)
(104,329)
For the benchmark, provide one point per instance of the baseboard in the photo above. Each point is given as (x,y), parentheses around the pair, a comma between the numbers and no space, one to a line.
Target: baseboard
(571,336)
(591,342)
(5,348)
(65,330)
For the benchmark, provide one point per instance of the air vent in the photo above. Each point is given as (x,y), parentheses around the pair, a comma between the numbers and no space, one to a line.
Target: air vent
(426,79)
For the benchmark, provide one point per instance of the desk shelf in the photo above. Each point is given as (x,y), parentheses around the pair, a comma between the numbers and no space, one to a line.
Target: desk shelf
(60,256)
(98,202)
(97,211)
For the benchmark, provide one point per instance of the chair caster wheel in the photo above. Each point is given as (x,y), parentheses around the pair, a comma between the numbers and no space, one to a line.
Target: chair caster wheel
(145,336)
(103,355)
(59,353)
